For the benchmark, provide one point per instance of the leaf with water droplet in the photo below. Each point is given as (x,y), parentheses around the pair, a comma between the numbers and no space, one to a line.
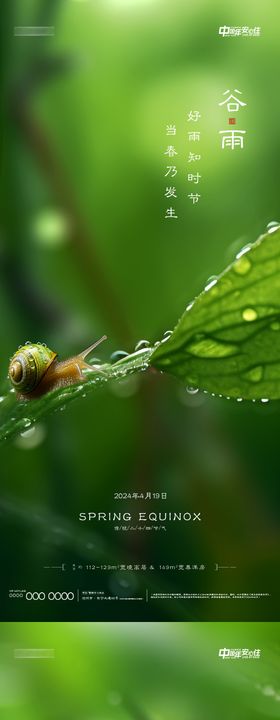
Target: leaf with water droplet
(17,416)
(229,337)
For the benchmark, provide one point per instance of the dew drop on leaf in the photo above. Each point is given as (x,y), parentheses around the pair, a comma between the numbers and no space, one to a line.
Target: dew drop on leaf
(26,422)
(210,283)
(243,250)
(166,335)
(249,314)
(272,227)
(118,355)
(242,265)
(142,344)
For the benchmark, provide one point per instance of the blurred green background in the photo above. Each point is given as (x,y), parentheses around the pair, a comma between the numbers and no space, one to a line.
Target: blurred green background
(138,671)
(85,250)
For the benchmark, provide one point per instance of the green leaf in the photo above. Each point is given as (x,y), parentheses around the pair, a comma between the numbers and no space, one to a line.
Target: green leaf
(19,416)
(228,340)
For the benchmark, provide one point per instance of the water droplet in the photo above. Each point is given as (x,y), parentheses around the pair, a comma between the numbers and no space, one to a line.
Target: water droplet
(239,399)
(255,374)
(26,422)
(193,398)
(142,344)
(126,387)
(210,282)
(272,227)
(192,390)
(243,251)
(264,400)
(166,335)
(118,355)
(31,438)
(157,344)
(189,306)
(2,398)
(249,314)
(242,265)
(275,325)
(28,342)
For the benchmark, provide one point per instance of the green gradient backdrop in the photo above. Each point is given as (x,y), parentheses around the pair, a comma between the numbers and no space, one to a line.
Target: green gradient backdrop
(85,250)
(130,671)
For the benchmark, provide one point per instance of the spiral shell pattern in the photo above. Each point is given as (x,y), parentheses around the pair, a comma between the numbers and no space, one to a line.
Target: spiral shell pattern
(28,365)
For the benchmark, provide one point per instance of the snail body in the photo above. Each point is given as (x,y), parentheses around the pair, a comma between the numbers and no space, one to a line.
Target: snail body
(35,370)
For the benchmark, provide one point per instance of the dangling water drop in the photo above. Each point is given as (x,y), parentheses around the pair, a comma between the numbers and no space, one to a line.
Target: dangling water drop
(192,390)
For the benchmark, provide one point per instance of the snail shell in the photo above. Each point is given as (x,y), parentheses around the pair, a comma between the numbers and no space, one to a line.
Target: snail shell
(35,370)
(28,366)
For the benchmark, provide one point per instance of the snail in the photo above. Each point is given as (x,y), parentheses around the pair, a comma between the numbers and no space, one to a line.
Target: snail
(34,369)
